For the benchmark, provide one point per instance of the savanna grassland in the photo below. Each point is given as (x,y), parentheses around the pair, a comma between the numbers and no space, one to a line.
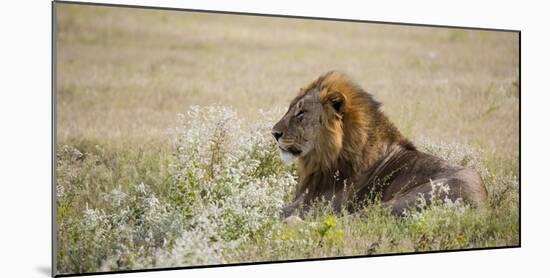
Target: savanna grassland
(164,155)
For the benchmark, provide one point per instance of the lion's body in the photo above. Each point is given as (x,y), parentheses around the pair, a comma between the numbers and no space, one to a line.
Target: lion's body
(349,152)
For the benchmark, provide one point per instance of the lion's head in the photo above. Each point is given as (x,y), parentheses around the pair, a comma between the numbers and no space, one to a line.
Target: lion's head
(297,133)
(328,120)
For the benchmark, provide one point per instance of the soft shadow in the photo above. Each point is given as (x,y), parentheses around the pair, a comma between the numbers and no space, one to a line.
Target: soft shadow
(45,270)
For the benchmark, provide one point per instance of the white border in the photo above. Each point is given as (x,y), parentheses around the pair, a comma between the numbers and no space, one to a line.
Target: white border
(25,138)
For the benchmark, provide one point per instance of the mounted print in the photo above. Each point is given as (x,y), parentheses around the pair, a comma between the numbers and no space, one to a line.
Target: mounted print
(188,138)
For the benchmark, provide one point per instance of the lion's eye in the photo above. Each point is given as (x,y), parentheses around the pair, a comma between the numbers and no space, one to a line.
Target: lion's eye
(300,114)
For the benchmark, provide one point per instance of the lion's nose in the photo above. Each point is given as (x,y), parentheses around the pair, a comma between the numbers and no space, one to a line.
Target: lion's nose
(277,135)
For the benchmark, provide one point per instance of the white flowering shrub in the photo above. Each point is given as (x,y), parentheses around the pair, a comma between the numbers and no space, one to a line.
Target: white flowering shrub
(227,180)
(225,184)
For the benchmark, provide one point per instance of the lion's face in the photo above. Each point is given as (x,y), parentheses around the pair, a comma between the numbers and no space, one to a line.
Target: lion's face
(297,132)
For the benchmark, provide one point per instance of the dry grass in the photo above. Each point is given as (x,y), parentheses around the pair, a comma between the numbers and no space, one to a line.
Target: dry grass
(123,74)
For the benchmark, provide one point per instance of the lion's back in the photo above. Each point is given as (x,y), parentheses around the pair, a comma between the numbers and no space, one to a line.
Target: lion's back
(420,174)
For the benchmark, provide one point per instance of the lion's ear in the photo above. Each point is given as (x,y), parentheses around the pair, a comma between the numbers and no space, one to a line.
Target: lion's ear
(337,101)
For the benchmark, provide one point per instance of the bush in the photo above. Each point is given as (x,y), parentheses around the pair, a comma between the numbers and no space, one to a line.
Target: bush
(224,185)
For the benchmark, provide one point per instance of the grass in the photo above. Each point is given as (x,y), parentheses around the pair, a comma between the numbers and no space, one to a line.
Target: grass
(140,187)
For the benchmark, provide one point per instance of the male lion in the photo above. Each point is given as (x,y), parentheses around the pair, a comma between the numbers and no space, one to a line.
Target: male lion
(348,151)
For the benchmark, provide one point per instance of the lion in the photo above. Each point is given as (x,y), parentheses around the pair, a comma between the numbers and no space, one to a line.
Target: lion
(348,151)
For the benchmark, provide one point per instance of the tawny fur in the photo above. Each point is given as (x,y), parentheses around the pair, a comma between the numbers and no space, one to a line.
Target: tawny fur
(359,148)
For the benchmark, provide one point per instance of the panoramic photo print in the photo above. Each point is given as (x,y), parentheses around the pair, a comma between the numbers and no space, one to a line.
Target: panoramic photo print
(187,138)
